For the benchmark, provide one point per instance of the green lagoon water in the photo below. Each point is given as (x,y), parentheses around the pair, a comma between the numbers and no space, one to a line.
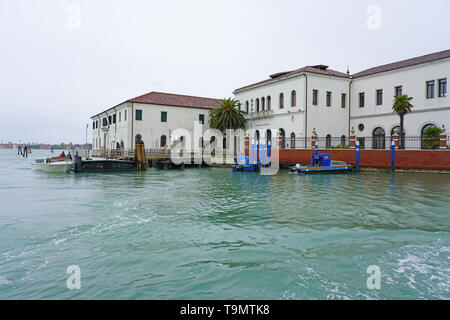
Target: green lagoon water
(213,234)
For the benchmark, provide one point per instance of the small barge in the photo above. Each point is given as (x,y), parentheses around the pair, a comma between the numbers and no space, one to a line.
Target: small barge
(322,163)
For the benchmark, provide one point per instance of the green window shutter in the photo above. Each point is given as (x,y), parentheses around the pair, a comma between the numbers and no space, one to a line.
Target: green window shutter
(201,118)
(163,116)
(138,114)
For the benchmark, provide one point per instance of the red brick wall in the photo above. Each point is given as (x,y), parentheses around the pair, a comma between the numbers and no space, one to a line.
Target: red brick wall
(407,159)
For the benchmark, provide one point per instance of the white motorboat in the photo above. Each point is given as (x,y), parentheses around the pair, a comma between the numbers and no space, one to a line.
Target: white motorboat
(55,164)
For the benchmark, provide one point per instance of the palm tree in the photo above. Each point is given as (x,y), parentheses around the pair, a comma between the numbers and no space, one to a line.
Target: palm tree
(227,116)
(402,106)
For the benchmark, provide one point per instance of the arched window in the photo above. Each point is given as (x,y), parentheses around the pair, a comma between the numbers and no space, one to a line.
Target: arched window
(268,136)
(283,138)
(379,138)
(163,141)
(343,140)
(281,101)
(257,105)
(429,141)
(292,140)
(268,103)
(328,141)
(263,102)
(257,136)
(246,106)
(293,98)
(396,130)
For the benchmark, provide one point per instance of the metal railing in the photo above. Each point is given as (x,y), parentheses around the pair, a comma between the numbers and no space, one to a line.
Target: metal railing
(365,143)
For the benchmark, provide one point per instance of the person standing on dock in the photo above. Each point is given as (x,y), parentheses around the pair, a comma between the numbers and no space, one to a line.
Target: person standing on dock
(25,152)
(19,151)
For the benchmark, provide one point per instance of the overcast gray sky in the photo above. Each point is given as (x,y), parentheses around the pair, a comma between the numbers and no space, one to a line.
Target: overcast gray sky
(58,70)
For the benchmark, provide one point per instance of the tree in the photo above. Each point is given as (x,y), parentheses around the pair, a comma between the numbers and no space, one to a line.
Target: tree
(227,116)
(402,106)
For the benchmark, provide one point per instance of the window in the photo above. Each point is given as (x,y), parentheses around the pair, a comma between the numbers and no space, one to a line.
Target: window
(268,102)
(201,118)
(93,125)
(105,122)
(281,101)
(125,115)
(293,98)
(109,120)
(315,97)
(246,106)
(96,124)
(138,114)
(114,118)
(120,116)
(343,140)
(163,141)
(430,89)
(398,91)
(328,99)
(343,100)
(379,138)
(379,97)
(361,99)
(163,116)
(263,102)
(257,105)
(443,87)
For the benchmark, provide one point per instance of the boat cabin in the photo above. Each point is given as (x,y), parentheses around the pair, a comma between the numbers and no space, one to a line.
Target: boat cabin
(321,160)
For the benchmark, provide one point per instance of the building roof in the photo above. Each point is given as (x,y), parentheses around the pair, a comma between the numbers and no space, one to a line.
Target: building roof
(319,69)
(176,100)
(171,99)
(405,63)
(323,69)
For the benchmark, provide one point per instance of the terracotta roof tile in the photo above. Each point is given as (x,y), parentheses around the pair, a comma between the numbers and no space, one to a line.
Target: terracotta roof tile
(177,100)
(404,63)
(310,69)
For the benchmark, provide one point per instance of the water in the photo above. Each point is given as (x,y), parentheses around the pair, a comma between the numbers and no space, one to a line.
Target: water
(213,234)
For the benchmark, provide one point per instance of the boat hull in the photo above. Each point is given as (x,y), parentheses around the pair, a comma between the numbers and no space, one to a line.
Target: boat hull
(57,167)
(319,169)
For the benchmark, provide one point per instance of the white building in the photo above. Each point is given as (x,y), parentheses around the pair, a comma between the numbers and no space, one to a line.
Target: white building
(315,97)
(154,116)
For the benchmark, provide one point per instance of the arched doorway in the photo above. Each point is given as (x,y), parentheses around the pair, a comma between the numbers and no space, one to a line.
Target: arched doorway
(268,136)
(292,140)
(379,138)
(429,140)
(163,142)
(328,141)
(282,134)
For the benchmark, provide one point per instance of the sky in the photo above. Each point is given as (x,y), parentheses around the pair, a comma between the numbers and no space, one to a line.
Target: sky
(62,62)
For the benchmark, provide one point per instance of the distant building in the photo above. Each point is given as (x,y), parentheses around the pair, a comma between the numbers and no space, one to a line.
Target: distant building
(153,116)
(293,103)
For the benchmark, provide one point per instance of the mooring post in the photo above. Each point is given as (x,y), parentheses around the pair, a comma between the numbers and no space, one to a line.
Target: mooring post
(268,153)
(393,155)
(357,155)
(252,156)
